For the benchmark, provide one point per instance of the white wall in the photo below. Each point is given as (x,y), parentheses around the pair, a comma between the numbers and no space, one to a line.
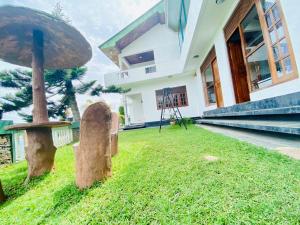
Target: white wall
(61,136)
(293,21)
(162,40)
(276,90)
(292,17)
(151,113)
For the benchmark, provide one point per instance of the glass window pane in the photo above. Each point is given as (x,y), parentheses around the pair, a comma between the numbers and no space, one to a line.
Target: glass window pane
(252,30)
(268,19)
(267,4)
(280,30)
(288,65)
(279,69)
(276,13)
(183,99)
(273,36)
(259,68)
(284,47)
(175,100)
(276,52)
(210,86)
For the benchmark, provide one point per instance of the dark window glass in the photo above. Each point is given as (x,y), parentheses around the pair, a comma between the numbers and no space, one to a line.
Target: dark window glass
(210,85)
(178,98)
(267,4)
(252,30)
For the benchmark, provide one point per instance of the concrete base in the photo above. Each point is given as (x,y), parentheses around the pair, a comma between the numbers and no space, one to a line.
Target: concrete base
(285,144)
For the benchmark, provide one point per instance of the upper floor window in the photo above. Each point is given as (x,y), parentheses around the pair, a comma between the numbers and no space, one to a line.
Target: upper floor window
(150,69)
(183,15)
(178,98)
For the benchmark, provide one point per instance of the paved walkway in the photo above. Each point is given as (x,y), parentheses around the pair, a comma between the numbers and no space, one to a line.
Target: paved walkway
(286,144)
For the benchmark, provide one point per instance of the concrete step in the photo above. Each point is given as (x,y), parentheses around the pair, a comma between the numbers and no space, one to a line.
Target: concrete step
(287,127)
(135,126)
(281,105)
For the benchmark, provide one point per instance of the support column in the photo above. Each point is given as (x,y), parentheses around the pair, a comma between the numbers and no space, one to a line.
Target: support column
(40,152)
(40,113)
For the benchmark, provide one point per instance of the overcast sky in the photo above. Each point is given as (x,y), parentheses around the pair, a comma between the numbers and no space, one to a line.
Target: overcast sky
(97,20)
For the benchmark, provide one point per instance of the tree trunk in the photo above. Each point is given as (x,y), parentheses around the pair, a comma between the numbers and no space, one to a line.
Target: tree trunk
(73,102)
(2,196)
(41,150)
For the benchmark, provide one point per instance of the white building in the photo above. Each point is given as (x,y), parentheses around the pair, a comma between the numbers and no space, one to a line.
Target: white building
(215,54)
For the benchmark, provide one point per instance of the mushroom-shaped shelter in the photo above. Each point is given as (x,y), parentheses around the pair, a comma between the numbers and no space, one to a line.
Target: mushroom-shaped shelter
(36,39)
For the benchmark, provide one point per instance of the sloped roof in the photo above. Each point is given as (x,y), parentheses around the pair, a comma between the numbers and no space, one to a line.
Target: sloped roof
(112,47)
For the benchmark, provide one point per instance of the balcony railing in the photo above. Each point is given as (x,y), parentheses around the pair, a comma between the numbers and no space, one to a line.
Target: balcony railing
(141,74)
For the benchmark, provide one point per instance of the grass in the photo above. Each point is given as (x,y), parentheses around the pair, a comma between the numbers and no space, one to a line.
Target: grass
(163,179)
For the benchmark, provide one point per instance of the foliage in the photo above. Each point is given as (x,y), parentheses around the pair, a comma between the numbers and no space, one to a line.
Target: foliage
(172,118)
(188,121)
(58,13)
(163,179)
(60,88)
(98,90)
(20,82)
(122,114)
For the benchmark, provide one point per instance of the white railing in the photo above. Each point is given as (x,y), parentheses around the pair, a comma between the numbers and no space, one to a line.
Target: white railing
(61,136)
(19,145)
(142,73)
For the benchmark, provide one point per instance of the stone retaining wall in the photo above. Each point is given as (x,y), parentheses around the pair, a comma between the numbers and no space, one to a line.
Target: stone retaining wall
(5,149)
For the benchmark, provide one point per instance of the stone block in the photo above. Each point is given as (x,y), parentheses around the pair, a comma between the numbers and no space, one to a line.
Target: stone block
(93,155)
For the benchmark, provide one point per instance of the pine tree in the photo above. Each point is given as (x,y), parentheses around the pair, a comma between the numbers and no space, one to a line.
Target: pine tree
(60,87)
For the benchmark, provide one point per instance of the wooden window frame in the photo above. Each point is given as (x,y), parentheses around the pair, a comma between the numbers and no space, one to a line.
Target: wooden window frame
(210,58)
(285,77)
(230,28)
(159,95)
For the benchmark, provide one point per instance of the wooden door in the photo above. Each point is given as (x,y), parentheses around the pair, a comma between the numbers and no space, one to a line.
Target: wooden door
(218,89)
(239,72)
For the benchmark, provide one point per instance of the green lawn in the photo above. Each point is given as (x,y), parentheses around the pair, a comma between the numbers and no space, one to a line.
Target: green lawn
(163,179)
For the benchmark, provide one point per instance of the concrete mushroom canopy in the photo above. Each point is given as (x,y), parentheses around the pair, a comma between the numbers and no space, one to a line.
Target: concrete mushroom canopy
(64,46)
(38,40)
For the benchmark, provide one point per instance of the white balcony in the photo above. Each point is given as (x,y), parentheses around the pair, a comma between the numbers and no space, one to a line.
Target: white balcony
(141,74)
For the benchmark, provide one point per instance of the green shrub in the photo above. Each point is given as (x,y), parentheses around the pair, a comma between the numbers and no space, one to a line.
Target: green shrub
(122,114)
(188,120)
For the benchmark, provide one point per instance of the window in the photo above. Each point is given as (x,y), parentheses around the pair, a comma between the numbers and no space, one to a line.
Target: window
(150,69)
(267,50)
(282,56)
(256,51)
(211,80)
(178,98)
(183,15)
(209,86)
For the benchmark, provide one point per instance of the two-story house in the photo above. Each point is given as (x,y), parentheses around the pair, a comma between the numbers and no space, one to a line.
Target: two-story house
(231,62)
